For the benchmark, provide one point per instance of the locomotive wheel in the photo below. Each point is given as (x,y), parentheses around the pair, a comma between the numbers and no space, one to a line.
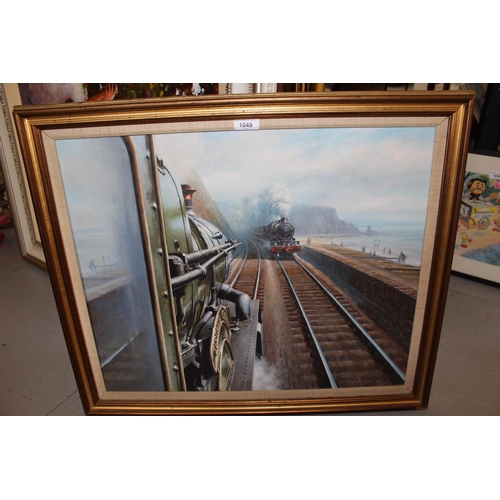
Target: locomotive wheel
(225,365)
(221,355)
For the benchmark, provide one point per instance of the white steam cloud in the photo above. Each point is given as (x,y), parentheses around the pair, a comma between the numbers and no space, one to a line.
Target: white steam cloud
(265,377)
(273,203)
(270,205)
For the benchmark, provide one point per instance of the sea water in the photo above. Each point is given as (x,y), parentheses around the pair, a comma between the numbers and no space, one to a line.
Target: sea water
(407,239)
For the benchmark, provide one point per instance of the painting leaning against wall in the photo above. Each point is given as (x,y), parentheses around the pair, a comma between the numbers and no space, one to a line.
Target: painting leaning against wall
(477,245)
(216,263)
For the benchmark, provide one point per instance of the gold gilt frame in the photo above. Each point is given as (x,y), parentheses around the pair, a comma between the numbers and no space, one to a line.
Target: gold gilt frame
(66,149)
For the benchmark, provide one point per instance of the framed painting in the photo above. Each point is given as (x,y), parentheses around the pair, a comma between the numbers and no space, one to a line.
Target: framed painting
(16,183)
(477,244)
(278,253)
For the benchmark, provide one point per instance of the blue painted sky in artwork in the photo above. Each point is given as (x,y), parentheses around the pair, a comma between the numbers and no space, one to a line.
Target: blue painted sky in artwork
(376,174)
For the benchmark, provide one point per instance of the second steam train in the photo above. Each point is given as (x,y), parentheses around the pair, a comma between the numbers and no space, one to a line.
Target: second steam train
(280,235)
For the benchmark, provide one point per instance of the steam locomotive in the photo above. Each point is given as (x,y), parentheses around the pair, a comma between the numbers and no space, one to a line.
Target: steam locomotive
(206,330)
(280,235)
(163,316)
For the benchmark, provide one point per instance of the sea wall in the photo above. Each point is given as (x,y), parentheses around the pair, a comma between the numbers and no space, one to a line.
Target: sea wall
(388,306)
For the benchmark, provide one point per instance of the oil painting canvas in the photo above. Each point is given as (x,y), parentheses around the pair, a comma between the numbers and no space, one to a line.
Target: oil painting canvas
(308,243)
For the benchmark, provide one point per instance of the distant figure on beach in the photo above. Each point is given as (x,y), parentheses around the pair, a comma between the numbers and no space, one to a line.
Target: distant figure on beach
(389,251)
(309,242)
(402,258)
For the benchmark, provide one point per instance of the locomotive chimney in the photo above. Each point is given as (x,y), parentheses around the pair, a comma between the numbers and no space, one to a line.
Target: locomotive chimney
(188,192)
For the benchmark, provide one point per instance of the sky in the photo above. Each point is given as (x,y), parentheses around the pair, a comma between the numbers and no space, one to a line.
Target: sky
(366,174)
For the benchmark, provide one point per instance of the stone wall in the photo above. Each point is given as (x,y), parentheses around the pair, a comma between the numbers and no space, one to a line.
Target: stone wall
(388,306)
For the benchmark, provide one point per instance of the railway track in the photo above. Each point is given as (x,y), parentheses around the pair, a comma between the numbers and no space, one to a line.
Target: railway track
(249,277)
(334,344)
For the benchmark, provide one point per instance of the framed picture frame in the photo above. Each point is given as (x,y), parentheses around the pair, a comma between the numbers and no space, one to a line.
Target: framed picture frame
(18,190)
(157,217)
(477,244)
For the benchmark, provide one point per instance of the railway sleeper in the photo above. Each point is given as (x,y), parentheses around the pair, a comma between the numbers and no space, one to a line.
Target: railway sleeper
(340,354)
(328,342)
(331,329)
(358,365)
(309,382)
(303,358)
(364,382)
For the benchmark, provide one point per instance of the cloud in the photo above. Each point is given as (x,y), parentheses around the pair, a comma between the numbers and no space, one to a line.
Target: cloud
(343,168)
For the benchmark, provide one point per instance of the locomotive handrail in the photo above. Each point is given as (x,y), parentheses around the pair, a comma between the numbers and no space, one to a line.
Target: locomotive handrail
(356,323)
(194,257)
(201,270)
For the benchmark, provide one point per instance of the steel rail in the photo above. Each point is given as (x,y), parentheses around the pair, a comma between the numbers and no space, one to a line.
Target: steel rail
(257,278)
(241,266)
(317,346)
(355,323)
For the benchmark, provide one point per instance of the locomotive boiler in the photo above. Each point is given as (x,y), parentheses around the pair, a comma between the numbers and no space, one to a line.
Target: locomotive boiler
(280,235)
